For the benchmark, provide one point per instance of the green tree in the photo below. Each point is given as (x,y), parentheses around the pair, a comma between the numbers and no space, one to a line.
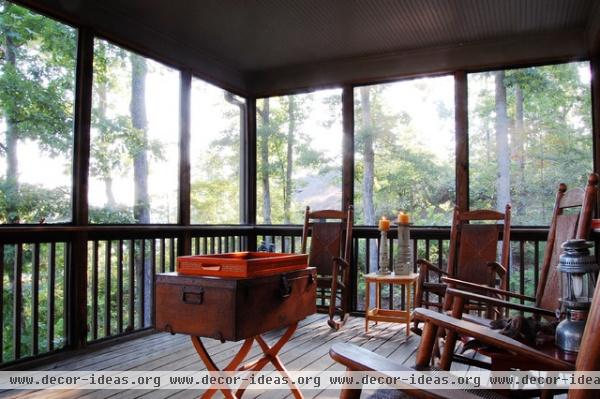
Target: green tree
(37,68)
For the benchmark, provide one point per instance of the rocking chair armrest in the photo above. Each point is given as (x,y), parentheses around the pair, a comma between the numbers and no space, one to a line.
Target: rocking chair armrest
(485,289)
(498,268)
(491,337)
(426,266)
(499,302)
(355,358)
(341,261)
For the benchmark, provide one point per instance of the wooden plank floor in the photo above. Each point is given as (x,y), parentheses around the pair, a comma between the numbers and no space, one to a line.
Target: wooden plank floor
(308,350)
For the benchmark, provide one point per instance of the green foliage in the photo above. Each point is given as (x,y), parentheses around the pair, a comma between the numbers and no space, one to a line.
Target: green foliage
(215,186)
(407,176)
(289,118)
(554,144)
(33,203)
(37,73)
(118,214)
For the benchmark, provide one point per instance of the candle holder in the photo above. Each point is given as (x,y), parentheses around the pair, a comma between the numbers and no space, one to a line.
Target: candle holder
(384,254)
(403,261)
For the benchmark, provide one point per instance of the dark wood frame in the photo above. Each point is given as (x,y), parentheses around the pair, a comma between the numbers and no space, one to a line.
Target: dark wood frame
(79,232)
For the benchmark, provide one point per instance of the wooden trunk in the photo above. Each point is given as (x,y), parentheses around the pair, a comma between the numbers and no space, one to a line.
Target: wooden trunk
(233,309)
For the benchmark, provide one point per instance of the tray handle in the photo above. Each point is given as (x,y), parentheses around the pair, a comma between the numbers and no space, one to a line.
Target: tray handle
(211,267)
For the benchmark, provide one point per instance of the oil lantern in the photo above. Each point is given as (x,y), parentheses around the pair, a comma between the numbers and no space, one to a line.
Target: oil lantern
(578,270)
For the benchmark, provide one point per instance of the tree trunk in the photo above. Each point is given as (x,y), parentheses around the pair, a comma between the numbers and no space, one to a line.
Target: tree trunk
(231,99)
(502,148)
(369,158)
(369,179)
(519,137)
(264,159)
(12,138)
(287,193)
(141,203)
(104,167)
(108,191)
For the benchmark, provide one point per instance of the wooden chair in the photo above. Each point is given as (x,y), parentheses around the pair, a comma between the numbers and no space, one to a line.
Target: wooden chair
(359,359)
(330,233)
(472,257)
(563,226)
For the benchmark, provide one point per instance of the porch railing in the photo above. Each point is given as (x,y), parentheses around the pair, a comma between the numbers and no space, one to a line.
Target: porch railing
(36,265)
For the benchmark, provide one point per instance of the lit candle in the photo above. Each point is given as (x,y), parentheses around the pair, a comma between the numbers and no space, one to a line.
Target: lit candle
(384,224)
(403,218)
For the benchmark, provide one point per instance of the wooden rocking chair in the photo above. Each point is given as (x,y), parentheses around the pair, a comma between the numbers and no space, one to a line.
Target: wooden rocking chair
(472,257)
(358,359)
(564,226)
(330,233)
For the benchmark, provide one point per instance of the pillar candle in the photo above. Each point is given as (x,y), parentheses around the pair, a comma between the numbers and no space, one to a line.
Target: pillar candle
(384,224)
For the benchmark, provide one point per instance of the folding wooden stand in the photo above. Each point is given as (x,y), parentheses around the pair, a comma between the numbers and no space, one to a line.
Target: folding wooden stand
(270,355)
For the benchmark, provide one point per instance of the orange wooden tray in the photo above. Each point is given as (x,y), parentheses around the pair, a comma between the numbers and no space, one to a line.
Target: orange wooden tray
(241,264)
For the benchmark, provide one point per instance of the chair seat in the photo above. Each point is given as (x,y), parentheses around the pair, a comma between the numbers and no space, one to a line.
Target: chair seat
(360,359)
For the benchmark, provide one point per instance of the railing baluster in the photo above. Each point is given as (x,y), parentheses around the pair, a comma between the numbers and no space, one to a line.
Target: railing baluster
(153,274)
(65,304)
(354,276)
(95,290)
(131,287)
(415,243)
(107,287)
(120,286)
(391,267)
(536,265)
(162,255)
(1,302)
(522,267)
(35,303)
(51,287)
(141,285)
(17,300)
(172,254)
(439,263)
(197,245)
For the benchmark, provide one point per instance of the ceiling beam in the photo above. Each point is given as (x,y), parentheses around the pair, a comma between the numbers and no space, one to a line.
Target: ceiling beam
(518,51)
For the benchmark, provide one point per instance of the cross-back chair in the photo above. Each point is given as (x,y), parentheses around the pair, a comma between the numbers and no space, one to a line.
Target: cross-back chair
(473,256)
(330,233)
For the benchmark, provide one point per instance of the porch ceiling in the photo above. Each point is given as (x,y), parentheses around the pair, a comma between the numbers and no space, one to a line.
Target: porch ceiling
(250,38)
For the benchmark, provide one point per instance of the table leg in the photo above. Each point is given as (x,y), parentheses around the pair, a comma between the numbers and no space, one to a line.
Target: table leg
(270,355)
(408,305)
(367,304)
(377,297)
(212,367)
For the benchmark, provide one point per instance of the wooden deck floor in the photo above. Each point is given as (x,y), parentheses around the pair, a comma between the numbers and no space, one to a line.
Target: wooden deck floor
(308,350)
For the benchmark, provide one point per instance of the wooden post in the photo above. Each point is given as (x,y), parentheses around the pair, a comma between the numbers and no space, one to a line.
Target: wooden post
(184,244)
(77,259)
(461,118)
(595,92)
(348,147)
(348,176)
(248,172)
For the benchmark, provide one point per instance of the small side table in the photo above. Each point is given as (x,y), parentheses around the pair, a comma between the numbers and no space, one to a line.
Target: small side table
(390,315)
